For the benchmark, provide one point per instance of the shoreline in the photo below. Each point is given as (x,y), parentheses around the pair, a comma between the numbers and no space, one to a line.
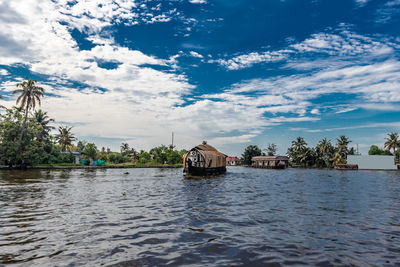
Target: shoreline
(89,167)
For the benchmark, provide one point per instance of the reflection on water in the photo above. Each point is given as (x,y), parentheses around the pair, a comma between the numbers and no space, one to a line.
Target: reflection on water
(147,217)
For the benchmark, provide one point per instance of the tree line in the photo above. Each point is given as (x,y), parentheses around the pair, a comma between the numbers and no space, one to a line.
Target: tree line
(324,154)
(26,139)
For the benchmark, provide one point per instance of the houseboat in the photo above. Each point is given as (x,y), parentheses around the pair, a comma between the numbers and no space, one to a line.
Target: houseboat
(204,160)
(270,162)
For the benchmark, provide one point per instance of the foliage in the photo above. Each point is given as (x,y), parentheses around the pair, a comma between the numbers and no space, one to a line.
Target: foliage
(166,155)
(80,146)
(65,138)
(32,150)
(324,152)
(250,152)
(271,149)
(42,120)
(144,157)
(392,142)
(375,150)
(103,154)
(125,149)
(342,151)
(297,150)
(29,95)
(90,151)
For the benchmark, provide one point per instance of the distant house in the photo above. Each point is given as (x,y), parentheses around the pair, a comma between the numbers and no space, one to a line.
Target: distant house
(77,156)
(372,162)
(232,161)
(270,162)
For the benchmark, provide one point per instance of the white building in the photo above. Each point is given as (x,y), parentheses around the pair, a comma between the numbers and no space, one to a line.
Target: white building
(372,162)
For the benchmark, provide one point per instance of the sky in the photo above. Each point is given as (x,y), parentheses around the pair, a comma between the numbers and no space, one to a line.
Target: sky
(231,72)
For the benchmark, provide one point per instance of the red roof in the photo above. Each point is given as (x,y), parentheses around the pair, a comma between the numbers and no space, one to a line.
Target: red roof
(232,159)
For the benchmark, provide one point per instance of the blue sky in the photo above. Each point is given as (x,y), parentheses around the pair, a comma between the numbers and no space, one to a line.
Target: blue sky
(232,72)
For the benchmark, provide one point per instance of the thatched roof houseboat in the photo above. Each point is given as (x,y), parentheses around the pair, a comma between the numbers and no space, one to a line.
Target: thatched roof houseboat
(270,162)
(204,160)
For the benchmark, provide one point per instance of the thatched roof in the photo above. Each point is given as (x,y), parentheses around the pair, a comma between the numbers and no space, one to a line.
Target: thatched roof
(213,157)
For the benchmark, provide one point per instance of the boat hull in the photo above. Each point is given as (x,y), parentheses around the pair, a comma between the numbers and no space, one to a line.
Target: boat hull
(199,171)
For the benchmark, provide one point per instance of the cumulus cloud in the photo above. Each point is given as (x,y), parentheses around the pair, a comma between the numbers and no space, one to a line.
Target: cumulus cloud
(128,102)
(141,104)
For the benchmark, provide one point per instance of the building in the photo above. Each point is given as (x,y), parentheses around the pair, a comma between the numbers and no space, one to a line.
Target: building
(372,162)
(270,162)
(204,159)
(232,161)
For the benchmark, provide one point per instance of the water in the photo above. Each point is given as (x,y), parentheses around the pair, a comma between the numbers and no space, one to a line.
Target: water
(155,217)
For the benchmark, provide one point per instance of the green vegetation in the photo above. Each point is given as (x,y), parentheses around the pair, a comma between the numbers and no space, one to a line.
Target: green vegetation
(250,152)
(271,150)
(392,142)
(375,150)
(26,140)
(30,94)
(65,138)
(324,155)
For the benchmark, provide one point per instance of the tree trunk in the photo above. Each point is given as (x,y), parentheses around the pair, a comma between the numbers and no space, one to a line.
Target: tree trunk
(23,128)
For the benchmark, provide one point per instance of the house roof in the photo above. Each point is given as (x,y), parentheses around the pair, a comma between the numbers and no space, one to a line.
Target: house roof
(232,159)
(260,158)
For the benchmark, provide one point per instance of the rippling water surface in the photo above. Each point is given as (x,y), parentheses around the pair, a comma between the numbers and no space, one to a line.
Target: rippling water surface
(156,217)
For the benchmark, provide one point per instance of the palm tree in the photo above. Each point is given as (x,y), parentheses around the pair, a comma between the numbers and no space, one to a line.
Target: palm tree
(296,150)
(271,149)
(325,150)
(392,142)
(65,138)
(341,144)
(307,156)
(43,120)
(342,151)
(124,149)
(299,144)
(30,94)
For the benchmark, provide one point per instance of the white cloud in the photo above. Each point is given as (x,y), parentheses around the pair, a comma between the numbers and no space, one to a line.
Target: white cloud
(3,72)
(315,111)
(343,44)
(387,125)
(197,1)
(247,60)
(345,110)
(195,54)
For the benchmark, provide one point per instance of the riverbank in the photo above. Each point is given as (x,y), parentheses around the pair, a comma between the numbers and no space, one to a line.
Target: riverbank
(108,166)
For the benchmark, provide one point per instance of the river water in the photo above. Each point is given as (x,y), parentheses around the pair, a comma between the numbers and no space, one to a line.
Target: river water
(156,217)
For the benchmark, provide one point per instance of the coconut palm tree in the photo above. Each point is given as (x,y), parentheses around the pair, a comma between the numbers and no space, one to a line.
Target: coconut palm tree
(41,118)
(325,150)
(299,144)
(341,144)
(392,142)
(296,150)
(30,94)
(125,149)
(342,150)
(65,138)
